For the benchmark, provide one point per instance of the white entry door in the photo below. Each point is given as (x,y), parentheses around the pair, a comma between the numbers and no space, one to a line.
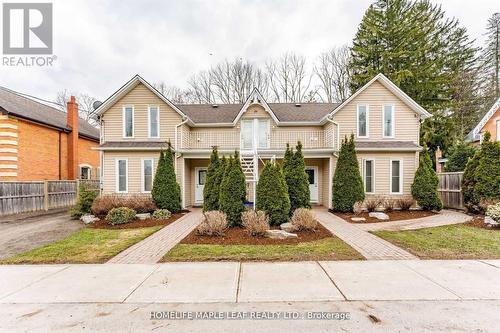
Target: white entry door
(312,172)
(200,175)
(255,133)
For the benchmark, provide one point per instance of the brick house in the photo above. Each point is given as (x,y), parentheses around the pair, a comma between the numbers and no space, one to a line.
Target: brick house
(489,123)
(137,121)
(38,142)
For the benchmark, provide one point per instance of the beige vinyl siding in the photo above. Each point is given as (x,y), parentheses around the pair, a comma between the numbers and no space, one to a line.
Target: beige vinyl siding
(134,169)
(382,171)
(140,98)
(255,111)
(406,123)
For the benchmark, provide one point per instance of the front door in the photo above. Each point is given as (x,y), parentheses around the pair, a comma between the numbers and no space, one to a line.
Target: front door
(255,134)
(312,173)
(200,175)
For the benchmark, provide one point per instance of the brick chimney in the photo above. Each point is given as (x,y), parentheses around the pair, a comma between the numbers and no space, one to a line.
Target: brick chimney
(439,165)
(72,122)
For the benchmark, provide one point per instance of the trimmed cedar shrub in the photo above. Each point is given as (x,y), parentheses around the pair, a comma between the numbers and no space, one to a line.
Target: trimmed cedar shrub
(120,215)
(272,194)
(487,173)
(211,190)
(86,197)
(141,203)
(458,157)
(347,188)
(297,180)
(166,191)
(425,184)
(233,191)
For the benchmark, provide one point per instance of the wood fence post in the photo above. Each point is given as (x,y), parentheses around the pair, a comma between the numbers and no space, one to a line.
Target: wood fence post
(46,195)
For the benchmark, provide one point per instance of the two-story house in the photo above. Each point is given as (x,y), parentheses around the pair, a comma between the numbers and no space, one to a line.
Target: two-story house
(137,121)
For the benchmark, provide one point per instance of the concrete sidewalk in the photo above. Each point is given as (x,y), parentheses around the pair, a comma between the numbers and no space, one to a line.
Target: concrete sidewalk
(235,282)
(379,296)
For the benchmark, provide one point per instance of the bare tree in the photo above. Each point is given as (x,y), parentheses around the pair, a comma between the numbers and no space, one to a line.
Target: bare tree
(333,71)
(85,104)
(289,79)
(201,88)
(173,93)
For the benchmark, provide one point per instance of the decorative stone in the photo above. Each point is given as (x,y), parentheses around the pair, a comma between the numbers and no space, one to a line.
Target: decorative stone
(88,219)
(489,221)
(143,216)
(280,234)
(288,227)
(379,215)
(358,219)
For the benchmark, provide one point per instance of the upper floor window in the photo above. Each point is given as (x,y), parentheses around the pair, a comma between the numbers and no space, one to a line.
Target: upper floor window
(128,122)
(396,177)
(388,120)
(154,122)
(362,123)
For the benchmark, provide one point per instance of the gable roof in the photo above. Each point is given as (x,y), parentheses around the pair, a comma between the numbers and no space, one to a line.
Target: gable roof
(391,87)
(127,87)
(474,135)
(23,107)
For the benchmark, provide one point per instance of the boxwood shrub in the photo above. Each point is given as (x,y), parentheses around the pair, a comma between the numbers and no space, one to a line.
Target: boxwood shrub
(120,215)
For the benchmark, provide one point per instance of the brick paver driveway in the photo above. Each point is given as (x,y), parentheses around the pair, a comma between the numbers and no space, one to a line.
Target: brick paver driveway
(25,234)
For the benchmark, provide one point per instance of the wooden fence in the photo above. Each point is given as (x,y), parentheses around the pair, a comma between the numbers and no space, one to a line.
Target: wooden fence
(450,189)
(21,197)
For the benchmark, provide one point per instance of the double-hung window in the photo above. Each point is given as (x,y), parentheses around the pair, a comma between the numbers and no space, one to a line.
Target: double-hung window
(147,175)
(128,122)
(388,121)
(362,121)
(154,121)
(369,175)
(122,175)
(396,170)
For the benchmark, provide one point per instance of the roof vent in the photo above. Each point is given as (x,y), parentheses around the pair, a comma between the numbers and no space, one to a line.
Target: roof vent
(215,105)
(298,105)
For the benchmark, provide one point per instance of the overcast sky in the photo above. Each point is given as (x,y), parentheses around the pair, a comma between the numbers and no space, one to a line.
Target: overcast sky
(101,44)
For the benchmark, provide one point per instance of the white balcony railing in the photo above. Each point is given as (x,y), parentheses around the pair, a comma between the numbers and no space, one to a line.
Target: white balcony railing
(230,139)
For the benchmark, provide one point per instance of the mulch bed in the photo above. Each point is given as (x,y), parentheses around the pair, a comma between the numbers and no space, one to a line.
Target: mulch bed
(240,236)
(478,222)
(102,224)
(396,215)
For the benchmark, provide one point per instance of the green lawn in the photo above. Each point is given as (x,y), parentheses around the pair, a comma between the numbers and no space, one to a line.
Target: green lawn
(331,248)
(85,246)
(447,242)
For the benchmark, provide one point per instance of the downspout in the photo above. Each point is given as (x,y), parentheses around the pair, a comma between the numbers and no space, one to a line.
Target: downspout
(330,171)
(183,190)
(338,134)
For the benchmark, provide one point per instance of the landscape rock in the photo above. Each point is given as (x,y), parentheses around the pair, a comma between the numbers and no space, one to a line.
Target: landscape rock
(88,219)
(489,221)
(143,216)
(288,227)
(358,219)
(280,234)
(379,215)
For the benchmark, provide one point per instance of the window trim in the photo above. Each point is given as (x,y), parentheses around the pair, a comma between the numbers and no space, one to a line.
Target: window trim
(400,175)
(373,174)
(157,121)
(81,166)
(124,131)
(143,175)
(117,175)
(367,121)
(393,123)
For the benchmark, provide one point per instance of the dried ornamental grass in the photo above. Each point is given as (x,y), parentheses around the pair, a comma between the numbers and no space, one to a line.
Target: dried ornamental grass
(255,222)
(303,219)
(214,223)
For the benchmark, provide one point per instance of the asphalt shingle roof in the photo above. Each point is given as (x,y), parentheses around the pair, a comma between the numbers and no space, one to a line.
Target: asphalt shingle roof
(27,108)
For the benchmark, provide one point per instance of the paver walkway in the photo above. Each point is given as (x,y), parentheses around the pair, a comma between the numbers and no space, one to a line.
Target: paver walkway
(369,245)
(445,217)
(153,248)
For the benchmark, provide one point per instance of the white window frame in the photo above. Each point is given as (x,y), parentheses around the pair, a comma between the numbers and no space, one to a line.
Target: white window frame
(81,166)
(498,129)
(373,174)
(400,175)
(124,122)
(392,123)
(117,175)
(367,121)
(157,120)
(143,175)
